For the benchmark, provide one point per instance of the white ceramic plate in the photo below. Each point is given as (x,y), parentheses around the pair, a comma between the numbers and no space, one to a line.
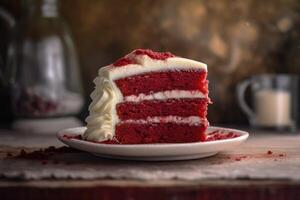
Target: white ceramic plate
(154,152)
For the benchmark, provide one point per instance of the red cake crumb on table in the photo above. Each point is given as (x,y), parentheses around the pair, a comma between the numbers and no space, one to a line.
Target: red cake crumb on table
(264,155)
(239,158)
(269,152)
(154,55)
(44,156)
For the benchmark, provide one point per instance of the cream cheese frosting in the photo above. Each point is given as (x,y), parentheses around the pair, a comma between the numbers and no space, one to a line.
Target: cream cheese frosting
(146,64)
(106,95)
(169,94)
(191,120)
(100,120)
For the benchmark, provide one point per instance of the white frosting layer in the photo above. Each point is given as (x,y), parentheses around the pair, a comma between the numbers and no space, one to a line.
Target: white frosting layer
(192,120)
(102,108)
(103,118)
(170,94)
(146,64)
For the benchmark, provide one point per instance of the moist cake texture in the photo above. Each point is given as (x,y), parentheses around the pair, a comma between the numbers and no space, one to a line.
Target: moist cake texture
(149,97)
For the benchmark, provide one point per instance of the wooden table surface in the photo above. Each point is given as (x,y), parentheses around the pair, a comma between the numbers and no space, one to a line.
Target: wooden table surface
(274,158)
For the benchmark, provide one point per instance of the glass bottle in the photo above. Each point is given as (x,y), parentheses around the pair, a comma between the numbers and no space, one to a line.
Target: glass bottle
(45,77)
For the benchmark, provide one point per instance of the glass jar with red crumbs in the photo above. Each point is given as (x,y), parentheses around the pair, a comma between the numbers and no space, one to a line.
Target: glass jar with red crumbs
(45,77)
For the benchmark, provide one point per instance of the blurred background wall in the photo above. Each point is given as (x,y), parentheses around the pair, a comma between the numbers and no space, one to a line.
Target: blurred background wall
(235,38)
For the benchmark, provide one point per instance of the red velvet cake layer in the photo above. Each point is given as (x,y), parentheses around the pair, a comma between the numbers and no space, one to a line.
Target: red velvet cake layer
(161,81)
(128,133)
(176,107)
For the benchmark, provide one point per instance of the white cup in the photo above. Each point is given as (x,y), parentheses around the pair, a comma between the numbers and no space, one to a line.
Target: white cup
(274,101)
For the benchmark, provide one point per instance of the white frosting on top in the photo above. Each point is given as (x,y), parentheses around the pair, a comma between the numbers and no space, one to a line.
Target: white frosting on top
(102,111)
(146,64)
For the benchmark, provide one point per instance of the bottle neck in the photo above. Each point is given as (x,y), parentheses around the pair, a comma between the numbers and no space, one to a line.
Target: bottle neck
(42,8)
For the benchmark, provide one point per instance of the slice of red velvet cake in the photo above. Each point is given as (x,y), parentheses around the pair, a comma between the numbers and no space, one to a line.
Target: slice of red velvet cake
(149,97)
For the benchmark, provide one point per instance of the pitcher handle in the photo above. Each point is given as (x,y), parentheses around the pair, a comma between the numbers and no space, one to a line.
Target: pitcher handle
(241,89)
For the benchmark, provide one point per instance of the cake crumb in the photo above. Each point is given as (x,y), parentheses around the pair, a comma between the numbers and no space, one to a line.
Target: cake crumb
(9,155)
(239,158)
(269,152)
